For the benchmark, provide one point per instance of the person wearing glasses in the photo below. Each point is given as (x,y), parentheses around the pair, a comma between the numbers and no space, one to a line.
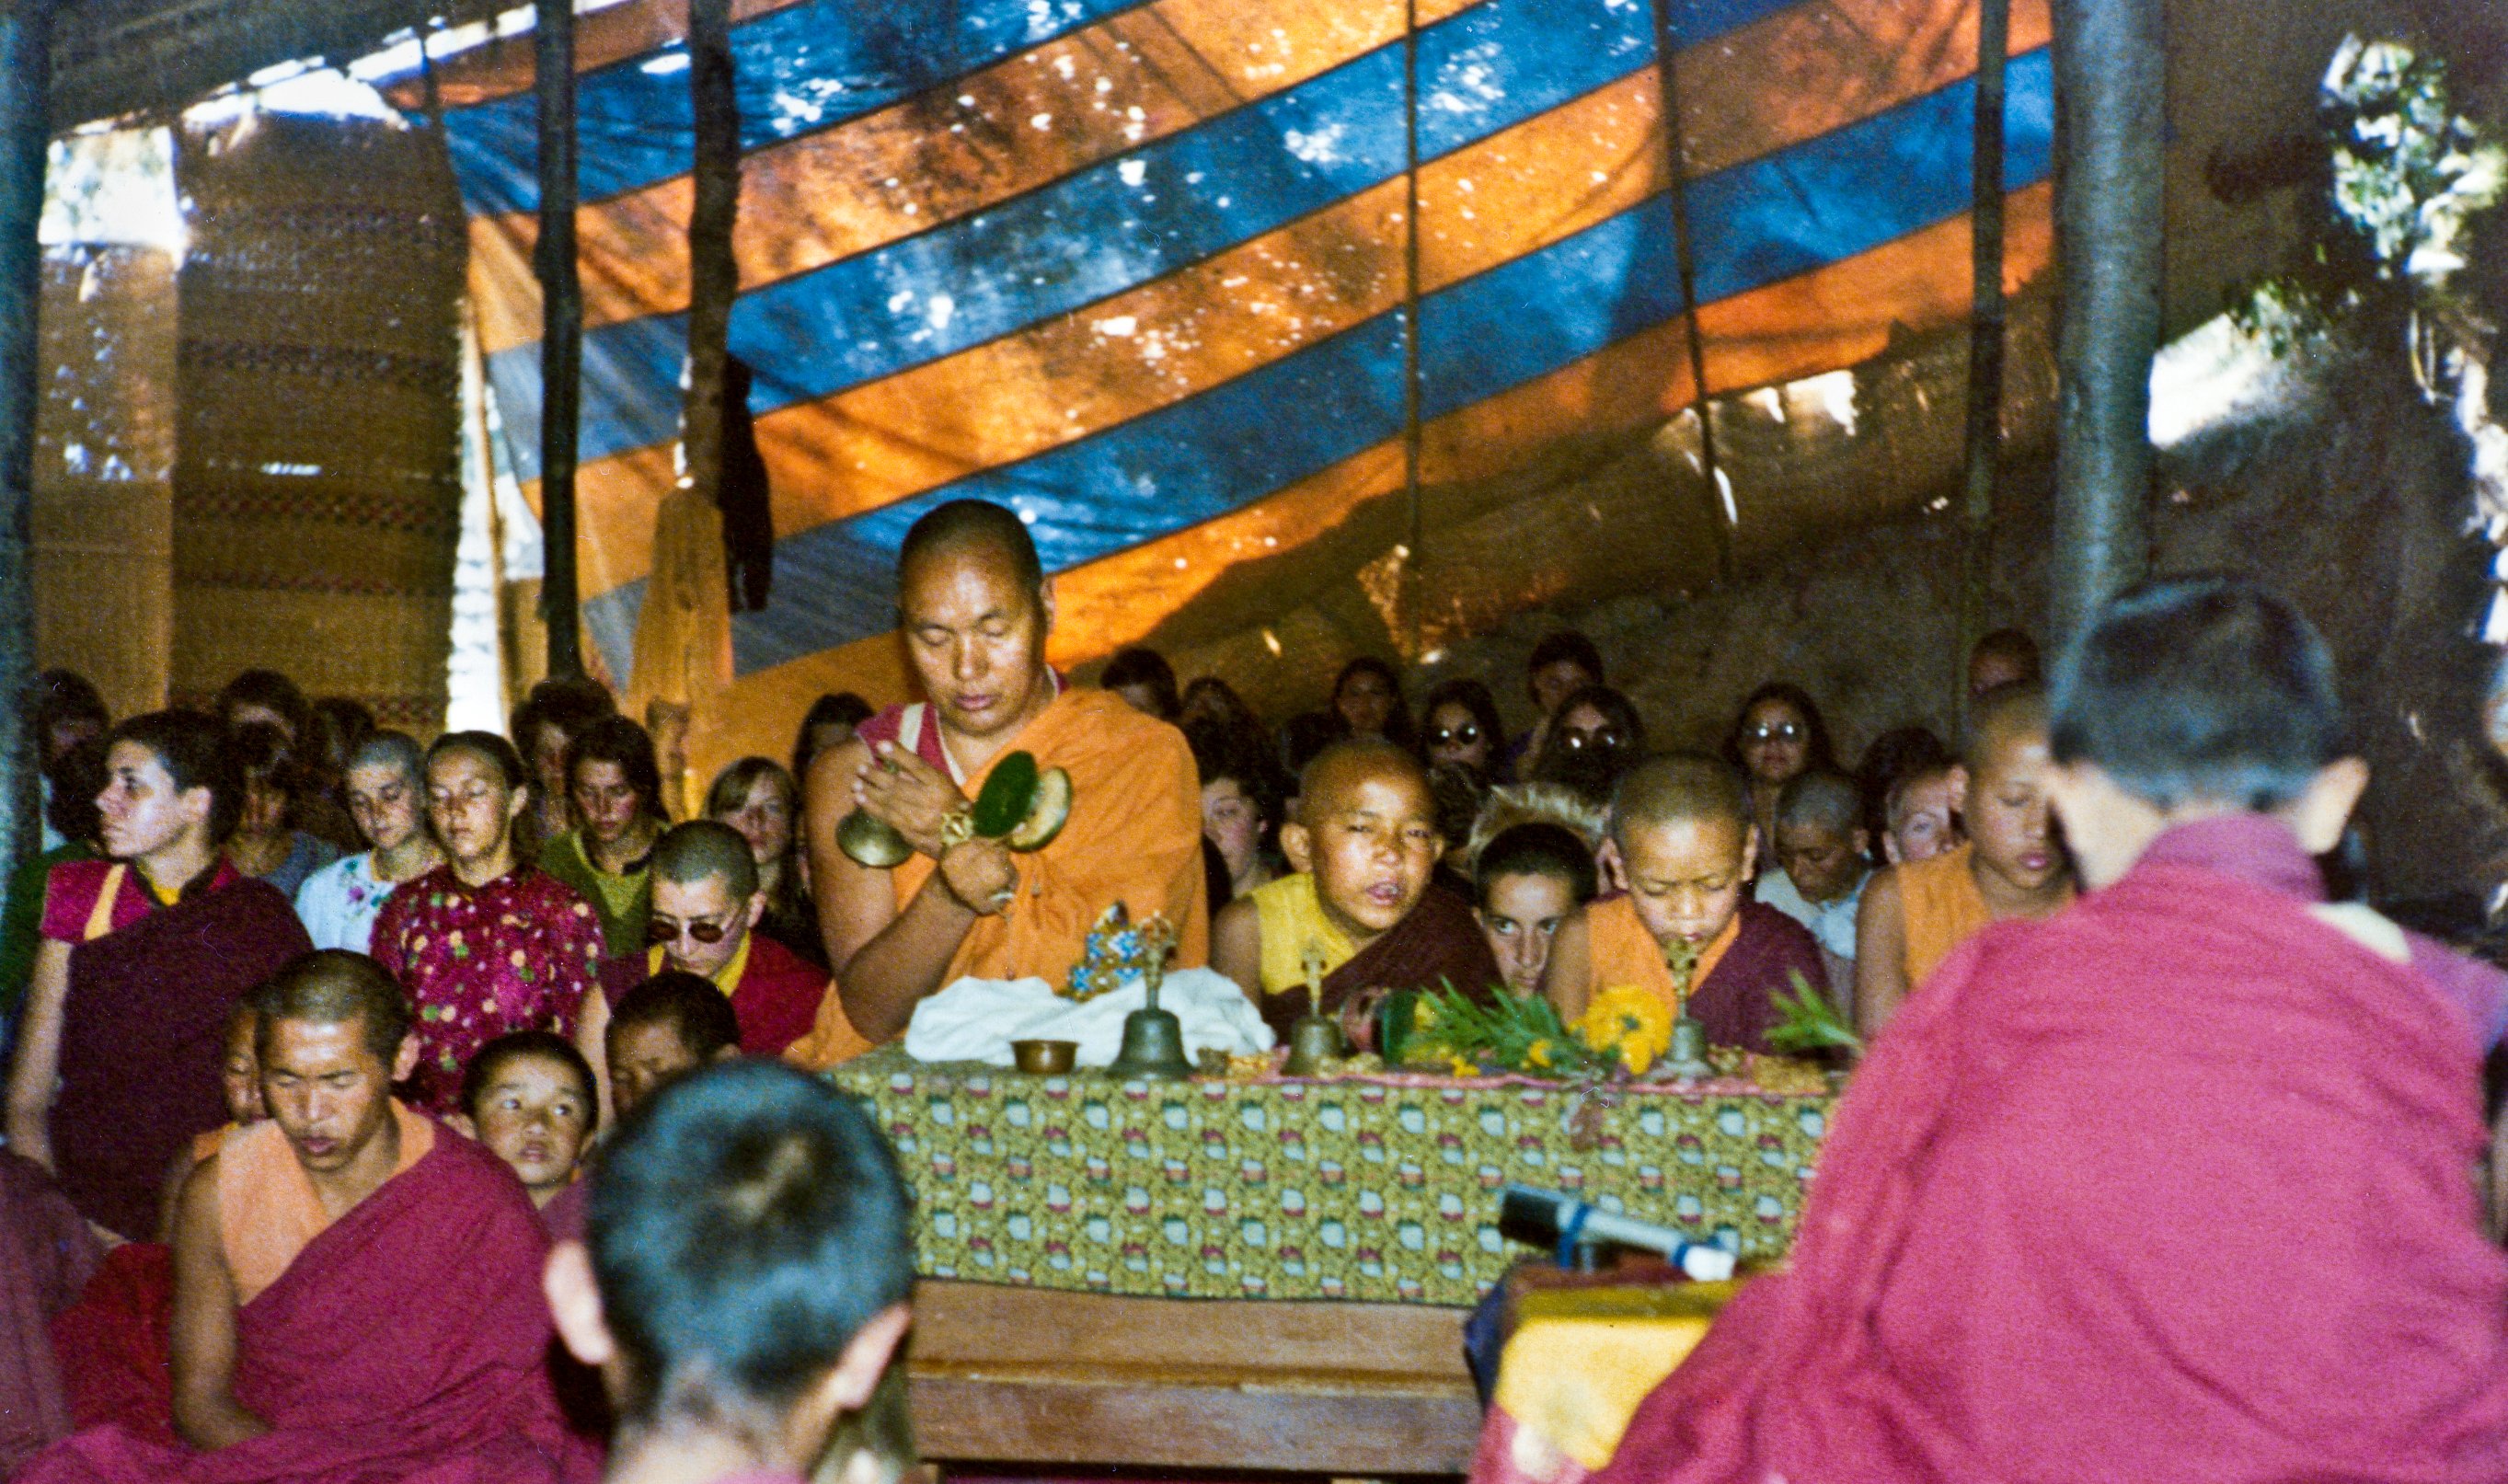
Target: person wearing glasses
(1463,731)
(706,904)
(1595,737)
(1777,738)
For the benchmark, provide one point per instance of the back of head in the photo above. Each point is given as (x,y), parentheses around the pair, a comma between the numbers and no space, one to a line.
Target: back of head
(1676,788)
(2003,657)
(971,525)
(517,1045)
(195,753)
(77,777)
(1146,668)
(332,987)
(65,695)
(614,739)
(1999,719)
(689,1003)
(573,702)
(702,848)
(2209,689)
(1522,804)
(748,1221)
(1820,800)
(1536,850)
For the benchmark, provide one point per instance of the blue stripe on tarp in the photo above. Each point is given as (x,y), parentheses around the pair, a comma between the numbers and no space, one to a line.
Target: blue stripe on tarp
(1094,233)
(1808,206)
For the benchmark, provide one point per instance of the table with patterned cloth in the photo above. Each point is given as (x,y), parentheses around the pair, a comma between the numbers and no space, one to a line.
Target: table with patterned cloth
(1364,1188)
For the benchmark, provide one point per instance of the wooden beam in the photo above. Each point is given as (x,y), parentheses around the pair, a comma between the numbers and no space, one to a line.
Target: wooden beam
(25,134)
(714,275)
(1984,338)
(560,329)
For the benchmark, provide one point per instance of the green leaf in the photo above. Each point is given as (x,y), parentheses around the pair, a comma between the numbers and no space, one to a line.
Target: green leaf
(1810,1023)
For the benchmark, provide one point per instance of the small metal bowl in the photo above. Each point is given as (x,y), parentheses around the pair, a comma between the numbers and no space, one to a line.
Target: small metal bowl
(1043,1058)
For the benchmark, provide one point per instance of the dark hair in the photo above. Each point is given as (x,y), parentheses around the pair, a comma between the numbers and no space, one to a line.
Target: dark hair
(1231,706)
(1456,794)
(271,692)
(2013,645)
(345,723)
(689,1004)
(65,695)
(77,777)
(1565,645)
(500,753)
(1591,771)
(193,750)
(331,987)
(1472,697)
(1138,666)
(1221,752)
(614,739)
(1816,754)
(514,1046)
(1397,718)
(1896,756)
(842,708)
(569,705)
(1536,850)
(973,522)
(748,1222)
(1305,734)
(2201,687)
(266,757)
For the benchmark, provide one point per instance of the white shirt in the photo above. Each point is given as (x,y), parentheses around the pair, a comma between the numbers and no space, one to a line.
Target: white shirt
(340,902)
(1831,922)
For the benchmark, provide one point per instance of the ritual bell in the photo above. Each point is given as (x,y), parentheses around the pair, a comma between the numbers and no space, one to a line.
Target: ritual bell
(1686,1058)
(1313,1040)
(1153,1048)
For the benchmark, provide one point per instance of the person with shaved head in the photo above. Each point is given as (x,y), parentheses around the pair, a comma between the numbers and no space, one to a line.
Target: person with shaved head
(973,609)
(1823,861)
(706,904)
(1360,909)
(2012,863)
(1684,825)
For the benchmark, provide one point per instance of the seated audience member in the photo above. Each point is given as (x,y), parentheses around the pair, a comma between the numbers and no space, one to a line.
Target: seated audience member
(1213,701)
(1460,727)
(1456,793)
(706,906)
(2304,1292)
(829,725)
(1547,803)
(1366,704)
(1301,737)
(2012,866)
(1683,826)
(240,1080)
(67,714)
(975,607)
(1240,806)
(664,1027)
(355,1286)
(1360,909)
(1530,878)
(268,698)
(545,727)
(756,797)
(486,944)
(1901,753)
(143,957)
(71,783)
(616,785)
(2003,657)
(744,1284)
(1822,859)
(1145,680)
(1561,664)
(1919,817)
(47,1253)
(532,1099)
(266,844)
(386,790)
(1594,737)
(1777,735)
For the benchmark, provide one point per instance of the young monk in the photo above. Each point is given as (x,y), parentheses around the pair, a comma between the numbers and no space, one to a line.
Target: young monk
(706,904)
(1358,904)
(355,1285)
(665,1028)
(744,1283)
(1914,914)
(2174,1186)
(1682,823)
(1919,822)
(530,1097)
(1529,879)
(1823,861)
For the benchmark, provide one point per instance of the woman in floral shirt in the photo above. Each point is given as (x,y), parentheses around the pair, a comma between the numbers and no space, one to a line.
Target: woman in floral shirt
(387,793)
(483,944)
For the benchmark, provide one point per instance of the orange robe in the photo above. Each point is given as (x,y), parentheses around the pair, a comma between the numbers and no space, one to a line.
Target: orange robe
(267,1207)
(1758,950)
(1134,836)
(1939,903)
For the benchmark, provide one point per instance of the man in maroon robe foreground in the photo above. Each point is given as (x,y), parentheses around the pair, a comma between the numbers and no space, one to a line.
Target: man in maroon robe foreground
(2176,1185)
(355,1286)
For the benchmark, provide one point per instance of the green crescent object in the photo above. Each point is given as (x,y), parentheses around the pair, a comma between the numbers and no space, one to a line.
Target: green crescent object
(1007,795)
(1047,815)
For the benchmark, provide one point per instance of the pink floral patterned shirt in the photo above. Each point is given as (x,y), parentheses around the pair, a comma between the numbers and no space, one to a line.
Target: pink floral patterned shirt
(519,954)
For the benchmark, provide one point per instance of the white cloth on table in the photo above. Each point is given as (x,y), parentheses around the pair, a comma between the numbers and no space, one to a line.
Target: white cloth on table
(976,1019)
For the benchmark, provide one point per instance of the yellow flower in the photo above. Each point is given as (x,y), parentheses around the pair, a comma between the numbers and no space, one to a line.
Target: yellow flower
(1629,1019)
(1537,1053)
(1463,1068)
(1424,1014)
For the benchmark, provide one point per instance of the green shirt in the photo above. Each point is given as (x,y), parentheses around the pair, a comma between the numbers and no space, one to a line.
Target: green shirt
(621,900)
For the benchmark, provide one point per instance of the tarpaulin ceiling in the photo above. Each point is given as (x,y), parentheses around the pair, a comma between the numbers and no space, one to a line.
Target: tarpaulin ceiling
(1139,270)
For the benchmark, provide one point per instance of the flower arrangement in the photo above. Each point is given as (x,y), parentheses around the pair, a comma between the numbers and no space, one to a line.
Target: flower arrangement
(1624,1032)
(1628,1024)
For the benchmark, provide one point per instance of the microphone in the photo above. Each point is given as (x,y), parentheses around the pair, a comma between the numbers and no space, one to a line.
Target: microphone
(1545,1218)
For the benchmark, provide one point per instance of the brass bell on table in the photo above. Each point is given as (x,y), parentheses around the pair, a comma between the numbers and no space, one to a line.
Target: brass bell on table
(1153,1045)
(1687,1059)
(1314,1040)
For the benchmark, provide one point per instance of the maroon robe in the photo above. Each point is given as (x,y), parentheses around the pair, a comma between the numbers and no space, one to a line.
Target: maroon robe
(143,1037)
(2176,1185)
(775,1003)
(406,1342)
(1733,1003)
(46,1255)
(1437,942)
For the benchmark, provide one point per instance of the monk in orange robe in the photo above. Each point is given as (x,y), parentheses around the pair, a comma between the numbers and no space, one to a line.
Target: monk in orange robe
(1687,837)
(1915,912)
(974,607)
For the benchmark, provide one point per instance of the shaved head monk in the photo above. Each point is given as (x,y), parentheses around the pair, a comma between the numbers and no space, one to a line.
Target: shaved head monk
(974,606)
(2177,1185)
(355,1286)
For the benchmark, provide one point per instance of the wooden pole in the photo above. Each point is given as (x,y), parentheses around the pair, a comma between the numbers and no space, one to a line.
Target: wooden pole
(561,328)
(25,134)
(1411,587)
(1985,338)
(1667,50)
(2111,95)
(713,276)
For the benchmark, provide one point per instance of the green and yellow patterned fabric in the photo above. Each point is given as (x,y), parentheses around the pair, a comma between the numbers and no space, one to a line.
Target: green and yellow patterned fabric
(1376,1188)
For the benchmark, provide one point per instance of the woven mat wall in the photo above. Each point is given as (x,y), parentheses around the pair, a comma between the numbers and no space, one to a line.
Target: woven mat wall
(316,490)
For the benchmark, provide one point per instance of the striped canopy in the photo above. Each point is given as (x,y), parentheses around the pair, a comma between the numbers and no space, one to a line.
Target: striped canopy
(1139,269)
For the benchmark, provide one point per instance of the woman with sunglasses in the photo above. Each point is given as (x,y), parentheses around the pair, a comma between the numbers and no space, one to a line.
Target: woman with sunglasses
(487,944)
(1777,737)
(1463,731)
(1595,737)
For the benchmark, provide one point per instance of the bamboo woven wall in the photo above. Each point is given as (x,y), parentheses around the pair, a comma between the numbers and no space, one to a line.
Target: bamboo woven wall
(316,487)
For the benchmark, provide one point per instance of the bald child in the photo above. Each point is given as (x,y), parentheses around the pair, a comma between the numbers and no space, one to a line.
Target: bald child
(2013,865)
(1360,908)
(1688,841)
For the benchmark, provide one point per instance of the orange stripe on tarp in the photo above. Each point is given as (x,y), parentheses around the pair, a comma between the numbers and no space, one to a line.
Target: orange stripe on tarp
(1513,192)
(1838,317)
(503,66)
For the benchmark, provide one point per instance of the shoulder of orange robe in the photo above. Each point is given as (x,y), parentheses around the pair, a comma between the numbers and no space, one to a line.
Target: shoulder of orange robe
(1969,1194)
(409,1338)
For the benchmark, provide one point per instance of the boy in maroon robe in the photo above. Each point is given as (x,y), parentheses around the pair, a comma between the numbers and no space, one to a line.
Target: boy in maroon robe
(2175,1185)
(355,1286)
